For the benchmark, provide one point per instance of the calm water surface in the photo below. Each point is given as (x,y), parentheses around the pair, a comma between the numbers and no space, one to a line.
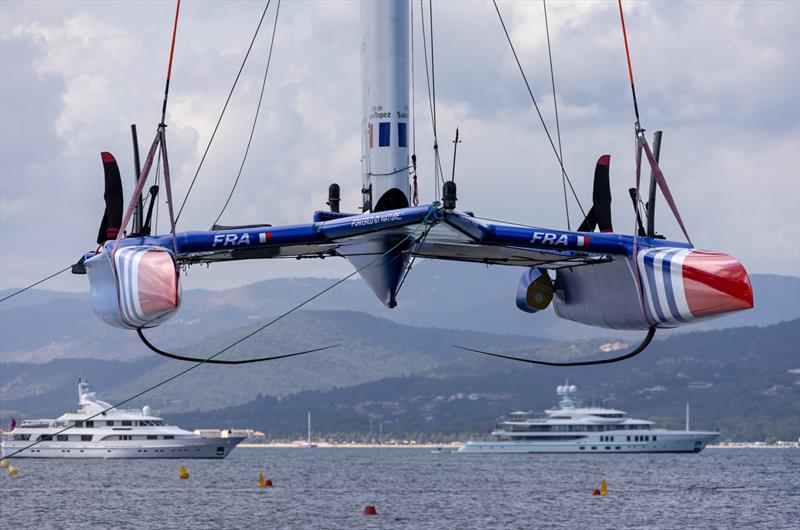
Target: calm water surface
(411,488)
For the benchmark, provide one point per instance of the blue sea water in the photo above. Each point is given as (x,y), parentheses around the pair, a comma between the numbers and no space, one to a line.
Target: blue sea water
(410,488)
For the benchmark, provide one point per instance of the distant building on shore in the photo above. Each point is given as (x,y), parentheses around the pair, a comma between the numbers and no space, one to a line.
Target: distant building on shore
(250,435)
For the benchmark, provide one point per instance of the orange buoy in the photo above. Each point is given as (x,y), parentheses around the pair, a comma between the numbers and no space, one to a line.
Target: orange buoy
(596,492)
(370,510)
(261,481)
(603,487)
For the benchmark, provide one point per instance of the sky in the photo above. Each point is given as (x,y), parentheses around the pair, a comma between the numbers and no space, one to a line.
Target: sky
(721,79)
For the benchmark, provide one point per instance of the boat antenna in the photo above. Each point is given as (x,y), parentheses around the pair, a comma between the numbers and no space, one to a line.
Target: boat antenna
(455,149)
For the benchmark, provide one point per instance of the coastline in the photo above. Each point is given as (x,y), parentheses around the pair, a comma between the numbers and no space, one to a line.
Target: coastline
(455,446)
(326,445)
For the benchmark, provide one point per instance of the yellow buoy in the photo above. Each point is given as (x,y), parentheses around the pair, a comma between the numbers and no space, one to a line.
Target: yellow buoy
(12,471)
(182,473)
(603,487)
(262,482)
(4,463)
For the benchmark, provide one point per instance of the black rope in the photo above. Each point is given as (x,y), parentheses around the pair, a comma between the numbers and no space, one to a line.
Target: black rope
(221,114)
(639,349)
(536,106)
(555,108)
(255,118)
(215,361)
(12,295)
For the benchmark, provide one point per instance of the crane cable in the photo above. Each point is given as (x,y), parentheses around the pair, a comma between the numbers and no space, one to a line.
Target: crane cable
(641,142)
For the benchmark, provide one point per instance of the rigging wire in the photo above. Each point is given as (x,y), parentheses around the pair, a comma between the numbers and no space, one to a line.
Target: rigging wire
(536,106)
(222,113)
(555,108)
(633,353)
(411,236)
(255,118)
(414,187)
(431,100)
(34,284)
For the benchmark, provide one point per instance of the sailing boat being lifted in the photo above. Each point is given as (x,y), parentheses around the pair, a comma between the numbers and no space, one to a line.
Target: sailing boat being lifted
(307,444)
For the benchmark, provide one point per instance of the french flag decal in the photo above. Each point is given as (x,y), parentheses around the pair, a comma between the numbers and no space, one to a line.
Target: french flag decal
(264,237)
(583,241)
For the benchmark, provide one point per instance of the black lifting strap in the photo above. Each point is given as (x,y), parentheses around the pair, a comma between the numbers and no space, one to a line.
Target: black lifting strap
(216,361)
(650,334)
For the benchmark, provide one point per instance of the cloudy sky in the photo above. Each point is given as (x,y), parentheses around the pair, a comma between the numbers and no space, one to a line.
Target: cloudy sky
(720,78)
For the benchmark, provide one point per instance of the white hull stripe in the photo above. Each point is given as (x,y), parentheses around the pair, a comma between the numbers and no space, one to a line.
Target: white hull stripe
(661,272)
(127,264)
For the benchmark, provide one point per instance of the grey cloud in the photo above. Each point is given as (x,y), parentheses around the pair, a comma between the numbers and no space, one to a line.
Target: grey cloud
(721,78)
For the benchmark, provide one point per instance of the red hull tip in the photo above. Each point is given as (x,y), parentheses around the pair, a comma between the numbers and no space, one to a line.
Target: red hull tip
(716,283)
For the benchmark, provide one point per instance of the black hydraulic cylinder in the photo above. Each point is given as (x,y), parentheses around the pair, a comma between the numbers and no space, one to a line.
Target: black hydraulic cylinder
(137,171)
(449,195)
(334,197)
(651,197)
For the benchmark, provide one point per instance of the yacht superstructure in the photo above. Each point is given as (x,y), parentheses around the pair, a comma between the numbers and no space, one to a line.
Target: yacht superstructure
(574,428)
(115,433)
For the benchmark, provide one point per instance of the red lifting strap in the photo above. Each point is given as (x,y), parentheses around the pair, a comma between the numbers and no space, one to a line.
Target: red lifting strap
(662,183)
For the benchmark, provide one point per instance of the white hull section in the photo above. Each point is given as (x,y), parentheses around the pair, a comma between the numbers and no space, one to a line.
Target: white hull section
(666,442)
(187,448)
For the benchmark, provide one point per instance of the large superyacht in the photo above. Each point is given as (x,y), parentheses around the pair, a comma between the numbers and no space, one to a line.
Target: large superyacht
(574,428)
(115,433)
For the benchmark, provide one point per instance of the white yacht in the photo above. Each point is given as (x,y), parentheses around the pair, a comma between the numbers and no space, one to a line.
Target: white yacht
(574,428)
(115,433)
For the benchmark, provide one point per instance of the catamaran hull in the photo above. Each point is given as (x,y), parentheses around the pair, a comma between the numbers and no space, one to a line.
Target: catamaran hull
(681,442)
(217,448)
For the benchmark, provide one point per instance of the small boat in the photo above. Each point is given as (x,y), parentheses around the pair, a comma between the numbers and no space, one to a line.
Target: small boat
(307,444)
(574,428)
(111,433)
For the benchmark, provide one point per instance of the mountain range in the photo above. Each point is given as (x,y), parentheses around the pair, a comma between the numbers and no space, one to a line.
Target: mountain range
(399,366)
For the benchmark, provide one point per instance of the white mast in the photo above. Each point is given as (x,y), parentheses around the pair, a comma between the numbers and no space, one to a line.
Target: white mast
(687,416)
(309,428)
(385,83)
